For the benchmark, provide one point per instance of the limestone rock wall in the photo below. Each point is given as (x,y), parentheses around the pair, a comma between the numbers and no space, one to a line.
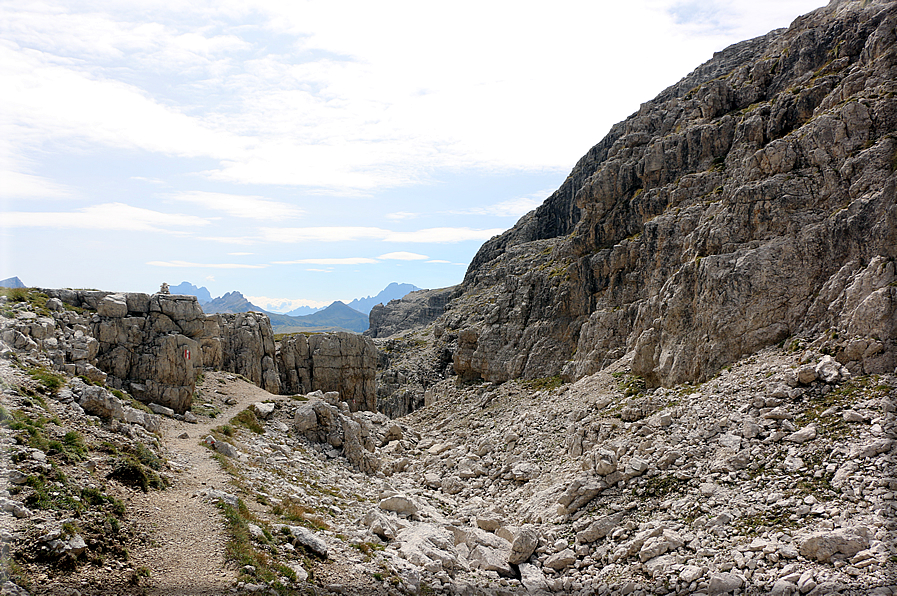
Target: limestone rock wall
(751,202)
(150,345)
(341,362)
(153,346)
(247,348)
(416,309)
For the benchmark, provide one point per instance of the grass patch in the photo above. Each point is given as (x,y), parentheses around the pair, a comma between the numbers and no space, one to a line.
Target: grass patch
(94,497)
(201,409)
(755,525)
(130,472)
(14,296)
(291,510)
(631,385)
(48,381)
(225,429)
(241,550)
(848,393)
(247,420)
(661,486)
(52,492)
(545,383)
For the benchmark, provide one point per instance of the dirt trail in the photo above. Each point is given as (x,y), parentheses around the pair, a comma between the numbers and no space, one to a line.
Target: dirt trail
(189,559)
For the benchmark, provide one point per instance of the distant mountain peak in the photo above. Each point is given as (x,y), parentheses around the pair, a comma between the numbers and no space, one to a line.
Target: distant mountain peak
(188,289)
(232,302)
(11,282)
(394,291)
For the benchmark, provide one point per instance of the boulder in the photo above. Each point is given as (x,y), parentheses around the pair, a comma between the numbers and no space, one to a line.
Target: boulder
(600,528)
(309,540)
(524,545)
(264,410)
(399,504)
(428,546)
(821,546)
(561,560)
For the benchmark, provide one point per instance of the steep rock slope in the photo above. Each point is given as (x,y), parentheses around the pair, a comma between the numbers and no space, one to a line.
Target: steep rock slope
(752,201)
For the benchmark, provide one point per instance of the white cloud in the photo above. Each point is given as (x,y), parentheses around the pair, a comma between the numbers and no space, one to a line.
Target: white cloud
(403,256)
(19,185)
(345,261)
(244,206)
(510,208)
(187,264)
(239,254)
(443,235)
(401,215)
(322,234)
(232,239)
(346,234)
(438,261)
(326,95)
(107,216)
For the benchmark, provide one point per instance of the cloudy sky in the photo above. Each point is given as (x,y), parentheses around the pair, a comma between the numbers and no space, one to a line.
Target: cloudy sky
(310,151)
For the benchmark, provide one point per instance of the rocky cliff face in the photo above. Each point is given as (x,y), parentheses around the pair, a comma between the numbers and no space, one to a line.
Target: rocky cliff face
(153,346)
(751,202)
(341,362)
(416,309)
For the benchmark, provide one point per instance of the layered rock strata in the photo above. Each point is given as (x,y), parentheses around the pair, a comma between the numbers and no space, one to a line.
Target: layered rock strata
(751,202)
(341,362)
(416,309)
(153,346)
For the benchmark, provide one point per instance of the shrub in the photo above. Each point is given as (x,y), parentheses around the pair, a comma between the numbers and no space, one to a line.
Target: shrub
(49,381)
(247,419)
(131,472)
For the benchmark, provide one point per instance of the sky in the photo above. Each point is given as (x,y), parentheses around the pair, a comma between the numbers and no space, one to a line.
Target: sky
(302,152)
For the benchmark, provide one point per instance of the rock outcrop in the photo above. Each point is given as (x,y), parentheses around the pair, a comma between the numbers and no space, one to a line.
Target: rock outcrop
(150,345)
(247,348)
(341,362)
(416,309)
(153,346)
(751,202)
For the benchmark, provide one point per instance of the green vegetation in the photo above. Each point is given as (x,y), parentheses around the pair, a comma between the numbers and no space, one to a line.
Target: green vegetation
(37,300)
(131,472)
(661,486)
(291,510)
(247,420)
(48,381)
(755,525)
(257,564)
(545,383)
(630,384)
(851,392)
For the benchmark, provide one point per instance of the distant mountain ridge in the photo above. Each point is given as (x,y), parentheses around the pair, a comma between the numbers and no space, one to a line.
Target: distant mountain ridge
(230,303)
(11,282)
(393,291)
(336,316)
(188,289)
